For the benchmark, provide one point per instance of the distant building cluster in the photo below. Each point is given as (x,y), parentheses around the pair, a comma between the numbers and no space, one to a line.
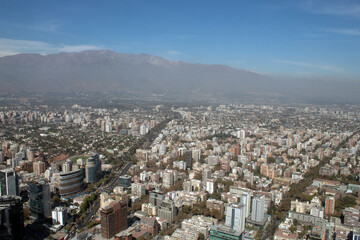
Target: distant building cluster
(207,172)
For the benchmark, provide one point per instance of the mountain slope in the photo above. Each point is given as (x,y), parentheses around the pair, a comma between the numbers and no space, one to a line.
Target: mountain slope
(109,71)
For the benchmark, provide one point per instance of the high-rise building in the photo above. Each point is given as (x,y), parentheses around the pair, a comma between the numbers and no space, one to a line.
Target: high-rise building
(93,169)
(9,182)
(188,159)
(329,205)
(59,215)
(156,198)
(72,182)
(235,151)
(113,219)
(235,217)
(142,129)
(138,189)
(125,181)
(39,167)
(11,218)
(196,155)
(39,199)
(244,195)
(245,199)
(258,205)
(67,166)
(169,178)
(206,175)
(103,125)
(211,186)
(167,211)
(108,127)
(2,156)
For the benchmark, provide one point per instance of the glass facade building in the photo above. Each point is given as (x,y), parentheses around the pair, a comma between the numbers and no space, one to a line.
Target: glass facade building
(11,218)
(9,182)
(39,199)
(93,169)
(72,182)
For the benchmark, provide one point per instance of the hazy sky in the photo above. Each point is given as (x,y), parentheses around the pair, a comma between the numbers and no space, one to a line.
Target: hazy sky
(287,38)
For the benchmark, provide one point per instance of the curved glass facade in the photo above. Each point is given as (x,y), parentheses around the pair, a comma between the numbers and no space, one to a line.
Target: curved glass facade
(72,182)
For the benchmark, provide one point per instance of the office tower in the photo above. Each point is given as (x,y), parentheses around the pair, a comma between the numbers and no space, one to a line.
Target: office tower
(188,159)
(156,198)
(125,181)
(196,155)
(103,125)
(244,195)
(235,217)
(39,199)
(142,129)
(138,189)
(11,218)
(93,169)
(169,178)
(59,215)
(113,219)
(245,199)
(242,134)
(258,205)
(235,151)
(72,182)
(108,127)
(9,182)
(39,167)
(329,205)
(206,175)
(167,211)
(211,186)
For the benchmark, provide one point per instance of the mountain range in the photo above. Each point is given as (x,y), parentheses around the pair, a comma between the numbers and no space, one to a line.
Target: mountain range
(108,71)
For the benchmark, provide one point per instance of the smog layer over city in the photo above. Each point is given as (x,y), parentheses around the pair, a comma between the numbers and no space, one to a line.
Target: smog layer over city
(170,120)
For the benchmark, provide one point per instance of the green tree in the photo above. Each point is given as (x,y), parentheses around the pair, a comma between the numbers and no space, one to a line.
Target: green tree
(292,228)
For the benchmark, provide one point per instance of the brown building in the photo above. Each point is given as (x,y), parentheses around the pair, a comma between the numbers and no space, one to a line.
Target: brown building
(150,225)
(39,167)
(216,205)
(235,151)
(113,219)
(329,205)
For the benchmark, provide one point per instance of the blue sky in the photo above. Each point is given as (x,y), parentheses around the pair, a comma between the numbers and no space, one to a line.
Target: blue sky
(307,38)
